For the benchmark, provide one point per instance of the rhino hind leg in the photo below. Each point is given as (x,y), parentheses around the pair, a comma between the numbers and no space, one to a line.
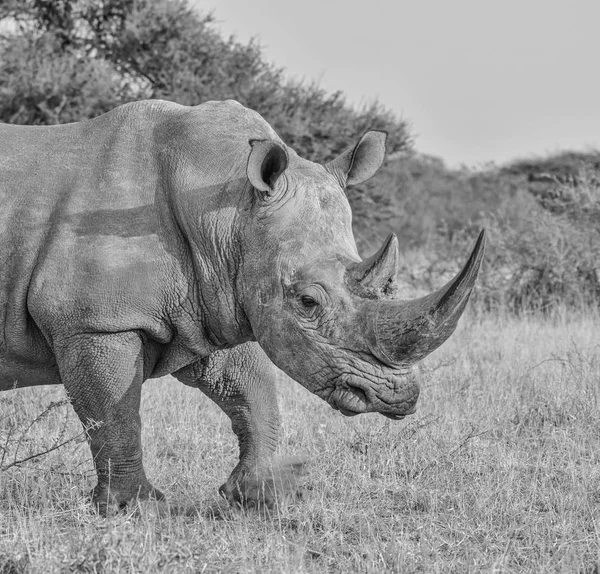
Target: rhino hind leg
(103,376)
(241,381)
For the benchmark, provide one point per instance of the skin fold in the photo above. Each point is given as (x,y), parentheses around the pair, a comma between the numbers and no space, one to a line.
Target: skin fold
(164,239)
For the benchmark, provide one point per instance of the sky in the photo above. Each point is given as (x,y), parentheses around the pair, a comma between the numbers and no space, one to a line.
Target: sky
(478,80)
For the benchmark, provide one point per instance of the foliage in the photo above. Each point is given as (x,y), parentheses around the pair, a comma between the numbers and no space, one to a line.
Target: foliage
(544,248)
(39,86)
(67,60)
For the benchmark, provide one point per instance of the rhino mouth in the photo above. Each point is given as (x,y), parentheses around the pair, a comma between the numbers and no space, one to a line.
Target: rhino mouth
(351,400)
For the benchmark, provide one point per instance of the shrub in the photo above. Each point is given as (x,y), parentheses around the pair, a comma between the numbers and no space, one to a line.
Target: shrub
(544,247)
(67,60)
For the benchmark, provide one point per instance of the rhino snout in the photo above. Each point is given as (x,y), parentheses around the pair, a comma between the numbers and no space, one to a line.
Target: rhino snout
(394,397)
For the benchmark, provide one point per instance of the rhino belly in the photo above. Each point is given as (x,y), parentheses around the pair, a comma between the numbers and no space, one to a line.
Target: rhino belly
(16,374)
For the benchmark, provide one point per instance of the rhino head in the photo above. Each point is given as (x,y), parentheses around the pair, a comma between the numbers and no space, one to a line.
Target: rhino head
(327,318)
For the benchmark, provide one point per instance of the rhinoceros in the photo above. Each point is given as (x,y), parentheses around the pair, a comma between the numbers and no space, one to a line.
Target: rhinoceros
(164,239)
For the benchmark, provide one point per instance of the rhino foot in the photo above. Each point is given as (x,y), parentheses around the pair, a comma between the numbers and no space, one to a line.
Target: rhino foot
(109,500)
(266,488)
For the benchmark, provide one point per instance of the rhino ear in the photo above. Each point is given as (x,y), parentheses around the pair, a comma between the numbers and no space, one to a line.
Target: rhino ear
(268,160)
(359,163)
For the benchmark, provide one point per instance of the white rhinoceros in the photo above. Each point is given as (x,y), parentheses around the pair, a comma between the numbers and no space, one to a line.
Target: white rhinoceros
(160,239)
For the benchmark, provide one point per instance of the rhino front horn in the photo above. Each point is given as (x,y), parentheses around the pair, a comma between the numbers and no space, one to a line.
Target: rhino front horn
(406,331)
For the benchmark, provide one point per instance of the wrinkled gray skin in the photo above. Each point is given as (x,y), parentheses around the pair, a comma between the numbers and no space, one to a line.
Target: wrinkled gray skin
(160,239)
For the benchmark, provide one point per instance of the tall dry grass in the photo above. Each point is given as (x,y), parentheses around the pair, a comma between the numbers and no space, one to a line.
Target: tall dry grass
(499,471)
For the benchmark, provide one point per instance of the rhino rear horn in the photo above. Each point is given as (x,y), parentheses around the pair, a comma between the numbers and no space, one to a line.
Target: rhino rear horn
(407,331)
(379,271)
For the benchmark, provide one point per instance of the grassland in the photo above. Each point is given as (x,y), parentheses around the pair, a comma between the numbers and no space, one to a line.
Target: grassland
(499,471)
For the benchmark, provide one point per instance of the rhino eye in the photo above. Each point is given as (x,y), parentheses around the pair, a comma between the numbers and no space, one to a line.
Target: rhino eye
(308,301)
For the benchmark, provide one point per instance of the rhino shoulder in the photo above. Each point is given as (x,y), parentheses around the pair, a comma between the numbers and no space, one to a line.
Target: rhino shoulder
(231,117)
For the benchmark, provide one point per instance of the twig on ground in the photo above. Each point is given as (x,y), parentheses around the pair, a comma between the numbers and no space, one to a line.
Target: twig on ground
(15,444)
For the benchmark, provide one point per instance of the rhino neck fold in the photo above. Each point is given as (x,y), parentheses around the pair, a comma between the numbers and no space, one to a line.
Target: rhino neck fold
(223,320)
(210,230)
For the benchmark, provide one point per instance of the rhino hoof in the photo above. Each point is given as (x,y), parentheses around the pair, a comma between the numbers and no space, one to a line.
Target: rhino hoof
(267,489)
(109,502)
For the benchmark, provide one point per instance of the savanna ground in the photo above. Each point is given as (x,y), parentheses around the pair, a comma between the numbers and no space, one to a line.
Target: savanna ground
(499,471)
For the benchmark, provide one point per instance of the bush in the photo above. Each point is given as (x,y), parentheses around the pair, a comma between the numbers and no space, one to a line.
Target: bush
(65,60)
(544,247)
(40,86)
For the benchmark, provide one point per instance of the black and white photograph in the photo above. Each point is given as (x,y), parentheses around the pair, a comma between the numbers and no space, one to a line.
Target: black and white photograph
(299,287)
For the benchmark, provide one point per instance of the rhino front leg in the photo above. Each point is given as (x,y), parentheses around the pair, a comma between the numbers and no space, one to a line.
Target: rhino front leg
(103,376)
(241,381)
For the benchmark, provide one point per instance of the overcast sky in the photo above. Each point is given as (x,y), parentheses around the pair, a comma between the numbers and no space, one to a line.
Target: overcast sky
(478,80)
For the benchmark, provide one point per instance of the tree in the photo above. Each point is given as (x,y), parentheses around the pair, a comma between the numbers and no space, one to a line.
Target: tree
(65,60)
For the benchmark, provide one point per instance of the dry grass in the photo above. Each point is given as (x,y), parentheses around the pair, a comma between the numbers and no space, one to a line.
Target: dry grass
(499,471)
